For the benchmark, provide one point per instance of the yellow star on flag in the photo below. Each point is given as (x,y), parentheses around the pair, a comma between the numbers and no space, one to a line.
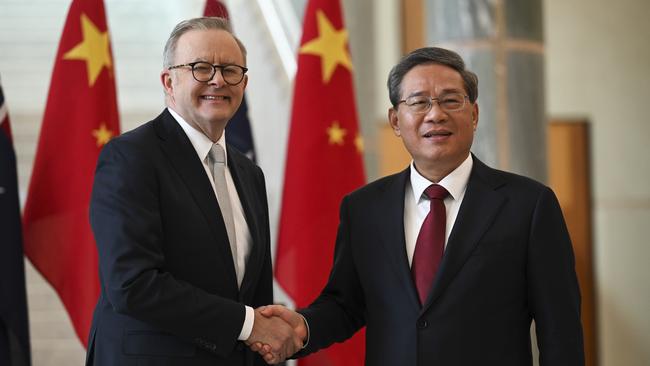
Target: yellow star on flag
(336,134)
(330,45)
(358,142)
(102,135)
(94,49)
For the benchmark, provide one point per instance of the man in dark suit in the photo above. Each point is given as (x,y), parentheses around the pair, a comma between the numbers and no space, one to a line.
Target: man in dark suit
(181,222)
(449,261)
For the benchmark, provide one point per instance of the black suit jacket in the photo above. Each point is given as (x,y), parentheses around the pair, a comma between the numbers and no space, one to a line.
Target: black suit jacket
(169,293)
(508,261)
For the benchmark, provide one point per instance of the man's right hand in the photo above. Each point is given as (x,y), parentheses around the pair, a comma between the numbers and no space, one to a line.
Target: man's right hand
(295,320)
(277,336)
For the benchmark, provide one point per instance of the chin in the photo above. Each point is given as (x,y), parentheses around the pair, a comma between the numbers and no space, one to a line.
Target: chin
(436,156)
(218,117)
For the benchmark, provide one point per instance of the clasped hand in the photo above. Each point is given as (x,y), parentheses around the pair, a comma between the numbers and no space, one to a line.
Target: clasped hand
(277,334)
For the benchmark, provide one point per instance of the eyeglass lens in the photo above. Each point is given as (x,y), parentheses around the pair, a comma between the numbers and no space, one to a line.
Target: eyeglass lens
(232,74)
(448,102)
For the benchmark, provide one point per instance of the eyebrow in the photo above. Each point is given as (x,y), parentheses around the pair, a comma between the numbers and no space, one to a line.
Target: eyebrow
(444,91)
(201,59)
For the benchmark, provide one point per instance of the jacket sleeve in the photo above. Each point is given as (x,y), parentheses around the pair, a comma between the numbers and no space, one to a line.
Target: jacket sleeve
(338,312)
(553,292)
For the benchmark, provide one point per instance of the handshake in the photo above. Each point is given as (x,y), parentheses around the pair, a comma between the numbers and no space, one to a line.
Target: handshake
(277,334)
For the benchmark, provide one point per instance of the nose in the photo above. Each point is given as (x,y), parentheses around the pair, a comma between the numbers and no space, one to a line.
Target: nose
(217,79)
(436,114)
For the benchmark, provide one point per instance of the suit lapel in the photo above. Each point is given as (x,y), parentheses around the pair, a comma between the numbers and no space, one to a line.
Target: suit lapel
(480,206)
(391,220)
(246,192)
(183,158)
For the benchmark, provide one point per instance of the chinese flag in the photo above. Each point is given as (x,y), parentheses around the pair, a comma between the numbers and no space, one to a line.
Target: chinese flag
(80,117)
(324,162)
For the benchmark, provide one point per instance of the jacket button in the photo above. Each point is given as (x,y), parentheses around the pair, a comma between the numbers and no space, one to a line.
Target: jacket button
(422,324)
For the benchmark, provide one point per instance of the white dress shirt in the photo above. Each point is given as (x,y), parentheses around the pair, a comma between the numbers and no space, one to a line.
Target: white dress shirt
(417,205)
(202,144)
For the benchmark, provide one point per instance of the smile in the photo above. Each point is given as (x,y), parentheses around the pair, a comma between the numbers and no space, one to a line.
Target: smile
(215,97)
(437,134)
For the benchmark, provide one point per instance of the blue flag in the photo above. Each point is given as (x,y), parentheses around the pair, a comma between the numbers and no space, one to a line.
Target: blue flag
(238,131)
(14,329)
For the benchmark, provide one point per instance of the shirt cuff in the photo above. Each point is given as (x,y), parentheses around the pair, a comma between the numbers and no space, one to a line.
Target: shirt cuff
(306,326)
(247,328)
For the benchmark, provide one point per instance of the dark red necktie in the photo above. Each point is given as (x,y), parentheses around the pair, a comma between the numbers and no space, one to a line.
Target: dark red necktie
(430,243)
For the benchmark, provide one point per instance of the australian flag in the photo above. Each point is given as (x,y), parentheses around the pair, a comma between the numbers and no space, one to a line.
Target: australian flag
(14,329)
(238,131)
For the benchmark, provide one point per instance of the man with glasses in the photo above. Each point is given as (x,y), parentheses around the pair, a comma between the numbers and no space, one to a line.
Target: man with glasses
(181,222)
(449,261)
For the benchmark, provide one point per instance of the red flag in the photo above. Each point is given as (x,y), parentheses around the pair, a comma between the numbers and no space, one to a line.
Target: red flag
(215,8)
(324,162)
(80,117)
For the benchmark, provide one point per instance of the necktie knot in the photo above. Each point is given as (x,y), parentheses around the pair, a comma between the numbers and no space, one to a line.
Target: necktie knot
(217,154)
(436,191)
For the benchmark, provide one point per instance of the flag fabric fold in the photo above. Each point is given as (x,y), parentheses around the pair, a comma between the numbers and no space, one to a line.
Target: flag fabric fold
(81,116)
(324,162)
(238,130)
(14,325)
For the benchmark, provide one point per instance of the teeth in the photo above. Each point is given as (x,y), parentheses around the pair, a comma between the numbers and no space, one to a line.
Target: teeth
(212,97)
(431,134)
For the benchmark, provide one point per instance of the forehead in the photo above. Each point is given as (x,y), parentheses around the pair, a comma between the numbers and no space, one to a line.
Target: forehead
(212,45)
(431,78)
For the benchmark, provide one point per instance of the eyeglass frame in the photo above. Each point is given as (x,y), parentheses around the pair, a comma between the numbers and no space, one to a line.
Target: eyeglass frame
(214,71)
(437,99)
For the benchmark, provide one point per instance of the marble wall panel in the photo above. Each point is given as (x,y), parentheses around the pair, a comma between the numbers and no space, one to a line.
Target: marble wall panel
(482,62)
(523,19)
(459,19)
(526,114)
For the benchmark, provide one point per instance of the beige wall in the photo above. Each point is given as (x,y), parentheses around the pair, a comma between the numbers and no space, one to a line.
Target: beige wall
(597,68)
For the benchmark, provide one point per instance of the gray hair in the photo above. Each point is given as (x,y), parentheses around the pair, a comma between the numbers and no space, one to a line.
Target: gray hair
(430,55)
(203,23)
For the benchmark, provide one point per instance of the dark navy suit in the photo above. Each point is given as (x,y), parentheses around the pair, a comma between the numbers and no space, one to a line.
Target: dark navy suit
(169,291)
(508,261)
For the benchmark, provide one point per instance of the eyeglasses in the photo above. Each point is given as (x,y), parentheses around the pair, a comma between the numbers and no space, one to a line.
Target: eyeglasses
(204,72)
(449,102)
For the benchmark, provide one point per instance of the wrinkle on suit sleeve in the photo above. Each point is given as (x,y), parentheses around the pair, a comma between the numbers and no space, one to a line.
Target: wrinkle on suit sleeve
(125,217)
(553,292)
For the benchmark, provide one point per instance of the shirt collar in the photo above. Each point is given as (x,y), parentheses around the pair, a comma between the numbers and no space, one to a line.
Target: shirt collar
(455,182)
(201,143)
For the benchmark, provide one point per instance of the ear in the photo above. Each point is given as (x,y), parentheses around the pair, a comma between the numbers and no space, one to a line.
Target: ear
(166,80)
(475,115)
(245,81)
(393,120)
